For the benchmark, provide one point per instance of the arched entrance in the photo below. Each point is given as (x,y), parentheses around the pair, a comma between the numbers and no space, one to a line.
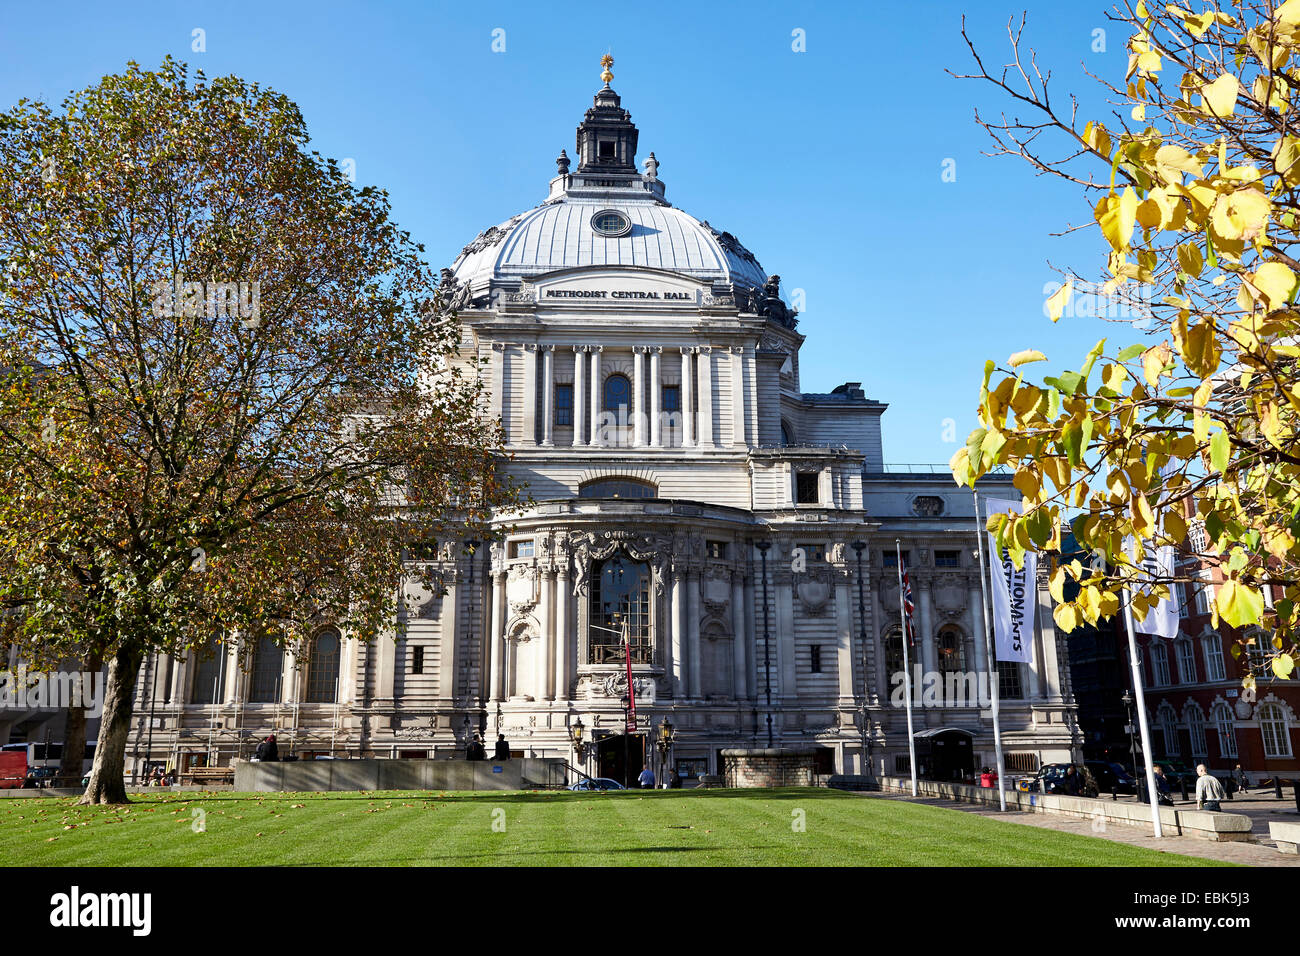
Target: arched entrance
(946,753)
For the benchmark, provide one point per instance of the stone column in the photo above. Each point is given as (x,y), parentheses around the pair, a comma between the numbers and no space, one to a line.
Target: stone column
(656,398)
(752,656)
(975,612)
(496,638)
(548,395)
(579,394)
(693,632)
(688,400)
(1046,635)
(232,690)
(544,660)
(844,634)
(929,650)
(498,380)
(679,630)
(562,601)
(448,628)
(783,634)
(705,360)
(638,396)
(738,395)
(529,436)
(595,395)
(739,637)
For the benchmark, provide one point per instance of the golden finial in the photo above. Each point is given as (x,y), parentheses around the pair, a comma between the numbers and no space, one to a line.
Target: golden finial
(607,74)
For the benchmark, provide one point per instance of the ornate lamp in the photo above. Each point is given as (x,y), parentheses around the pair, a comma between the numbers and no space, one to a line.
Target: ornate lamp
(579,745)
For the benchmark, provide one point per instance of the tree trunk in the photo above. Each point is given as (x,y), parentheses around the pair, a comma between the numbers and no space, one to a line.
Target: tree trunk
(74,731)
(107,774)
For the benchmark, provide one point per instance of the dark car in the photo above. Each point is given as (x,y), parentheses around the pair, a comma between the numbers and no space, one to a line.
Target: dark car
(1111,777)
(1051,779)
(598,784)
(42,777)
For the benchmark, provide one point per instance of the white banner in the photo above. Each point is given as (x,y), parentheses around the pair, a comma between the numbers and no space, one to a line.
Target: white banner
(1161,620)
(1014,596)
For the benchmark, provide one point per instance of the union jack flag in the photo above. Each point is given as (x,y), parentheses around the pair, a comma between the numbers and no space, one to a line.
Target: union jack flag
(909,610)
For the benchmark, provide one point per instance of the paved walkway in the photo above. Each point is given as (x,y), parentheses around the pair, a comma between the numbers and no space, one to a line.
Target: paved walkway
(1262,853)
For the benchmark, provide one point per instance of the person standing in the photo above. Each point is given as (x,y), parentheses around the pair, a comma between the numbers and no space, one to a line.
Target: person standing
(502,751)
(647,779)
(1239,776)
(268,750)
(1209,792)
(1163,790)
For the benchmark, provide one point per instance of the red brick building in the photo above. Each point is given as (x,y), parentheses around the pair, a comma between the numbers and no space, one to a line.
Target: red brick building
(1198,710)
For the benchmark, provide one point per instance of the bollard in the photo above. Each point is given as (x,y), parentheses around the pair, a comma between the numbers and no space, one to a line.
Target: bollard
(1114,792)
(1277,786)
(1182,780)
(1296,788)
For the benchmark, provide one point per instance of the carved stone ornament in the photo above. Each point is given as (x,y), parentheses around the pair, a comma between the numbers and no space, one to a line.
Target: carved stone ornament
(597,546)
(950,595)
(927,506)
(615,685)
(814,591)
(416,733)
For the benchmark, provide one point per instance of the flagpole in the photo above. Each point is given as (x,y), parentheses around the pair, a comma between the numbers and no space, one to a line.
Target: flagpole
(907,664)
(1140,702)
(981,536)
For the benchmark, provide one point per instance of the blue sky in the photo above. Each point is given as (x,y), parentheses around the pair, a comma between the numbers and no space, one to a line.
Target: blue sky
(826,163)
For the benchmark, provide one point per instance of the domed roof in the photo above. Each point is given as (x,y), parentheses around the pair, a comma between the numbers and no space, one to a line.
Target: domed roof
(649,232)
(560,235)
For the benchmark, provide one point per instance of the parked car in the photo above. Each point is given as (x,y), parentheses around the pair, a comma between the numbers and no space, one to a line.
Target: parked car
(41,777)
(1111,777)
(1050,778)
(597,784)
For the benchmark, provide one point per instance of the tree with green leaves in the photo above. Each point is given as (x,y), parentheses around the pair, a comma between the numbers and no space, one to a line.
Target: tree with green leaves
(232,403)
(1194,187)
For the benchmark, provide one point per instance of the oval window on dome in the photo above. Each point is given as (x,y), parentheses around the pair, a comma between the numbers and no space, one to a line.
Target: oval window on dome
(611,223)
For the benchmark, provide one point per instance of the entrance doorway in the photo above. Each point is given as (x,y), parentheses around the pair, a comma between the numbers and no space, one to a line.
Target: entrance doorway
(946,754)
(610,762)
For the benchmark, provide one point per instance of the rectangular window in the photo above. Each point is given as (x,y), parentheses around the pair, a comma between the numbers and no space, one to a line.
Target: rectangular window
(521,549)
(889,559)
(1009,680)
(816,658)
(564,405)
(1187,664)
(947,559)
(807,488)
(1214,658)
(813,552)
(672,398)
(417,660)
(717,549)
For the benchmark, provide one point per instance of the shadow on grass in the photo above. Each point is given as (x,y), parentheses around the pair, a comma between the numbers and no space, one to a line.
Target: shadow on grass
(504,855)
(496,796)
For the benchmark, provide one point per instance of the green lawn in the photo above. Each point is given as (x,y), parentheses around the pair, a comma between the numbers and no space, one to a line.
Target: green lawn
(415,828)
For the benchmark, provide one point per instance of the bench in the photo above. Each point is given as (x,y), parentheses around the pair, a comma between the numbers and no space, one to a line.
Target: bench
(1285,835)
(209,775)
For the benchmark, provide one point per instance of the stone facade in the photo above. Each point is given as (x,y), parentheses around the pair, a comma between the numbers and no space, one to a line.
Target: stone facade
(646,369)
(769,767)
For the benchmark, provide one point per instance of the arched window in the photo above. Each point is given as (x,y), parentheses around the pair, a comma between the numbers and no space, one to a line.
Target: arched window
(1227,727)
(268,665)
(787,434)
(620,592)
(617,488)
(894,657)
(323,669)
(208,685)
(1169,730)
(1275,729)
(618,392)
(1196,731)
(952,666)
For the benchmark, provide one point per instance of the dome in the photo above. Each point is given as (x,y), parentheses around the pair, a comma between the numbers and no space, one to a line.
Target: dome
(641,229)
(560,235)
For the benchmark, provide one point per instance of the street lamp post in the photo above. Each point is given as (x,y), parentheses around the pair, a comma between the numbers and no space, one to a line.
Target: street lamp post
(767,655)
(1132,744)
(859,547)
(665,744)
